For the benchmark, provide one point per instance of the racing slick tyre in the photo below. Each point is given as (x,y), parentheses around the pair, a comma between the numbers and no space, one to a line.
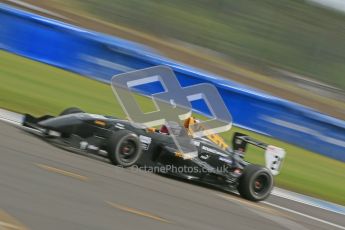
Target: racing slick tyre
(71,111)
(255,183)
(124,148)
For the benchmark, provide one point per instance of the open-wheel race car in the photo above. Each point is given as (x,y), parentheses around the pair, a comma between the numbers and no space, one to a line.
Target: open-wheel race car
(213,162)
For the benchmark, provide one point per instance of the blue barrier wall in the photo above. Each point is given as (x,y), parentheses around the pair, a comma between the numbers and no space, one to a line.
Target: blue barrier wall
(100,57)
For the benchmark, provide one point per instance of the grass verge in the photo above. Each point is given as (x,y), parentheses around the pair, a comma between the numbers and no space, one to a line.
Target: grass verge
(31,87)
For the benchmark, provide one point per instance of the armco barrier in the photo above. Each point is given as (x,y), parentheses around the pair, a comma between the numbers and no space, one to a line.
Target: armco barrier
(100,57)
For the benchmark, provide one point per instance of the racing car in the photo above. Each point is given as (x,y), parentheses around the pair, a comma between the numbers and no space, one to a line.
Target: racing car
(125,143)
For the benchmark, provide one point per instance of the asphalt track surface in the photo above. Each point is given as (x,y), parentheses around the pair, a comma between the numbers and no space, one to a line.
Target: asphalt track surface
(44,187)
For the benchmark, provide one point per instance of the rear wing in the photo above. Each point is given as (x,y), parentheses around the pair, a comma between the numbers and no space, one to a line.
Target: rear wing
(274,156)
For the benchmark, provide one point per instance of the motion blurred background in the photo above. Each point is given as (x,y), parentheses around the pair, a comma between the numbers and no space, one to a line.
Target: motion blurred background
(265,35)
(293,49)
(286,43)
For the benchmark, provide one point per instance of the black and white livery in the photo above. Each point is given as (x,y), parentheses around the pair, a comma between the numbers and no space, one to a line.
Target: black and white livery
(126,144)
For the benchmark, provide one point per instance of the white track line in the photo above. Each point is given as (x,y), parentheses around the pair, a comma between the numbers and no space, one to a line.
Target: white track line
(11,117)
(311,201)
(9,121)
(304,215)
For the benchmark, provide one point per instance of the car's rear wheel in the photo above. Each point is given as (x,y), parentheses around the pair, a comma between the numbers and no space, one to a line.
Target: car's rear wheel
(71,111)
(124,148)
(256,183)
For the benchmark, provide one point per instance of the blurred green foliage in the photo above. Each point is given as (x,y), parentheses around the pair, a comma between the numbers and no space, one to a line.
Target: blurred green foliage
(288,34)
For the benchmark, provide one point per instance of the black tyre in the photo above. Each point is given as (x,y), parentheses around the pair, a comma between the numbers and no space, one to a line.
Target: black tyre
(124,148)
(71,111)
(256,183)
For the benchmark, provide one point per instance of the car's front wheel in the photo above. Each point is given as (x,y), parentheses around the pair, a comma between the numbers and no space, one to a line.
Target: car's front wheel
(124,148)
(256,183)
